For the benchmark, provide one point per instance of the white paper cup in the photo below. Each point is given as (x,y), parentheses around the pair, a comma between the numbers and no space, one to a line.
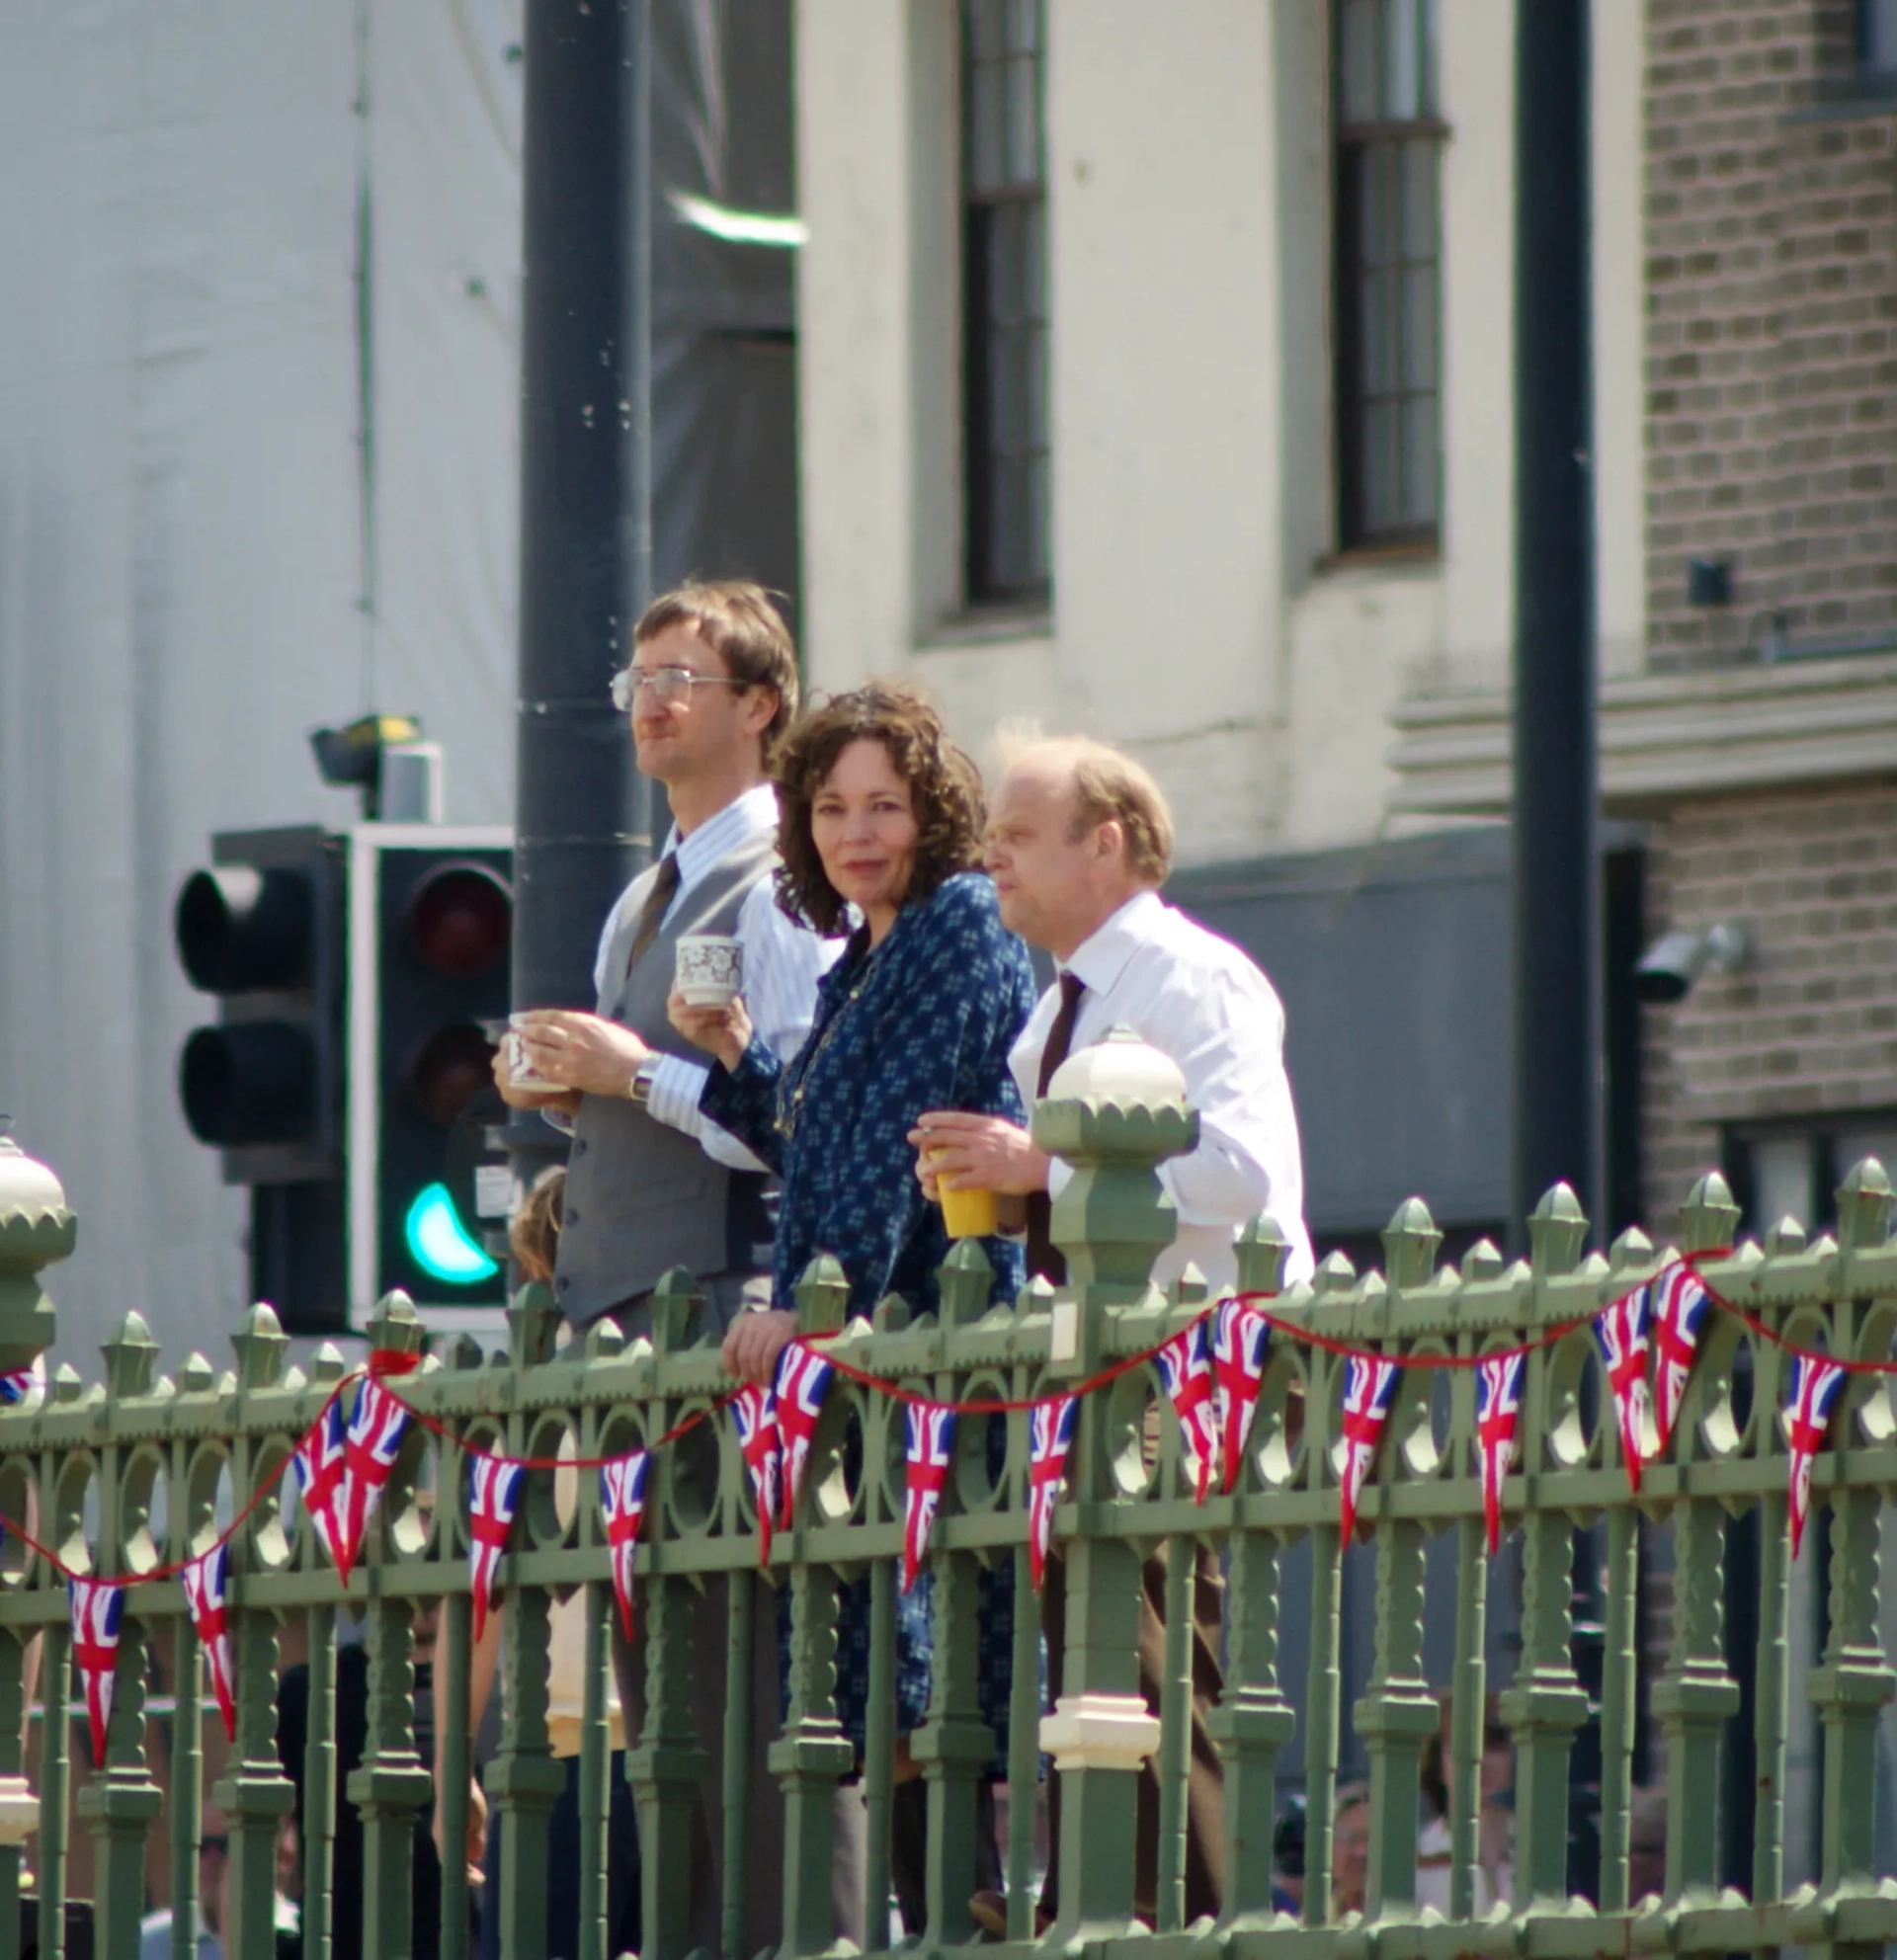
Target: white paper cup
(710,970)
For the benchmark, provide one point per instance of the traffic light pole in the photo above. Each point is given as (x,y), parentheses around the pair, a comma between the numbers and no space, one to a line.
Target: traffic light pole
(1557,1126)
(584,820)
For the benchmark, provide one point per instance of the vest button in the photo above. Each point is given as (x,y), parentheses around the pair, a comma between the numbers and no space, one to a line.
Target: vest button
(579,1146)
(563,1284)
(572,1217)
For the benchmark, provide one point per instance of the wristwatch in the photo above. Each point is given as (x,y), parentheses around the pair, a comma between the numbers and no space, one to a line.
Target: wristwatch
(638,1090)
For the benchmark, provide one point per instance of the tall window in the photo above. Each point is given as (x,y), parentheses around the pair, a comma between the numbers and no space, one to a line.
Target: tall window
(1005,286)
(1389,141)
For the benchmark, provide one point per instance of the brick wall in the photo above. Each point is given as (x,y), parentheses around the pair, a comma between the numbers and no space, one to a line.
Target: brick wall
(1810,1027)
(1772,326)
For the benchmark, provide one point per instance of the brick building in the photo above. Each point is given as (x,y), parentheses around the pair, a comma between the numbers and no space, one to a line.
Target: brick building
(1758,745)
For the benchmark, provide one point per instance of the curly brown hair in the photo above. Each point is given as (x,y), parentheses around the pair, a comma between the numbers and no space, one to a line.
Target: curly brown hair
(945,788)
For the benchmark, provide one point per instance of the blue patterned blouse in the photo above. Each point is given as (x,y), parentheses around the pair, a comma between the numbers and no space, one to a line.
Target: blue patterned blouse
(922,1021)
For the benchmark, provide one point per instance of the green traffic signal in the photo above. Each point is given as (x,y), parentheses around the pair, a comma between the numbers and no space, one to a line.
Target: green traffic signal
(439,1244)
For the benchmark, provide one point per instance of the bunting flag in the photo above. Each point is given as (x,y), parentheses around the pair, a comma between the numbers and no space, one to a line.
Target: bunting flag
(1814,1389)
(755,1412)
(96,1612)
(206,1581)
(493,1490)
(1678,1321)
(1621,1333)
(802,1377)
(1498,1414)
(931,1451)
(1188,1374)
(1239,1334)
(622,1499)
(1051,1435)
(370,1446)
(320,1461)
(17,1386)
(1369,1387)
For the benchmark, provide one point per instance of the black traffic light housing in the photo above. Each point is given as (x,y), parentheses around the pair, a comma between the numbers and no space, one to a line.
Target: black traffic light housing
(262,931)
(432,917)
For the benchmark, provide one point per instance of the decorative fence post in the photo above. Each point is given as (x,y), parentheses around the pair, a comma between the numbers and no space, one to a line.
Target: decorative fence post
(1116,1112)
(37,1231)
(1253,1721)
(1854,1681)
(1545,1703)
(121,1800)
(1399,1712)
(813,1755)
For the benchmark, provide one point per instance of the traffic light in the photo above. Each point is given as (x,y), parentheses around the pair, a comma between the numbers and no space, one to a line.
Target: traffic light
(431,929)
(262,931)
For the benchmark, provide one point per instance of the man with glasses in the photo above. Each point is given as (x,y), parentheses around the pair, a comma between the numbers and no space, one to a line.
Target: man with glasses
(651,1182)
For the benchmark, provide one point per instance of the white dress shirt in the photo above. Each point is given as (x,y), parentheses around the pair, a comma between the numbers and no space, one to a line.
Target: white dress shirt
(1199,1000)
(782,962)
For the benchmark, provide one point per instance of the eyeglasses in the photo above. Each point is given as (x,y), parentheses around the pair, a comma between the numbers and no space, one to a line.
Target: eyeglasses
(670,686)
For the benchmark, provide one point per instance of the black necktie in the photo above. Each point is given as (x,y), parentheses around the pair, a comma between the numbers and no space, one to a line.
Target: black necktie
(1043,1259)
(656,900)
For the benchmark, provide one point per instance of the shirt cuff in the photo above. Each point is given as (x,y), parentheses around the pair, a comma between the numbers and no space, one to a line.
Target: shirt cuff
(557,1118)
(673,1097)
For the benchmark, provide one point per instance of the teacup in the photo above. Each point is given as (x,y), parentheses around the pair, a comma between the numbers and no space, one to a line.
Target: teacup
(710,970)
(519,1071)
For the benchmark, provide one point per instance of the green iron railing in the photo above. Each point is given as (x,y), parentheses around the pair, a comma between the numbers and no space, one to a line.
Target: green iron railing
(118,1444)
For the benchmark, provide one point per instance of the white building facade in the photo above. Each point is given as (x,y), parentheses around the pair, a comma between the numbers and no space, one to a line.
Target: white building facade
(1214,591)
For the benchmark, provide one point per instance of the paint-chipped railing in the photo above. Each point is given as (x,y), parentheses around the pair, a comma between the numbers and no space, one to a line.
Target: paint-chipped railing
(119,1442)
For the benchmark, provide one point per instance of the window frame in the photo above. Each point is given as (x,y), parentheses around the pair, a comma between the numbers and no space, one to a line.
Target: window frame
(1356,146)
(987,582)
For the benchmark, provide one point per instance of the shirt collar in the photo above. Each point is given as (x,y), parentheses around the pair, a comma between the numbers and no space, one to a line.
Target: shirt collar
(753,814)
(1100,960)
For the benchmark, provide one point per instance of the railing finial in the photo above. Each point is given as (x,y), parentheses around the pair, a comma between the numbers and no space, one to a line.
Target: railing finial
(37,1230)
(1557,1230)
(1709,1218)
(1410,1241)
(1863,1207)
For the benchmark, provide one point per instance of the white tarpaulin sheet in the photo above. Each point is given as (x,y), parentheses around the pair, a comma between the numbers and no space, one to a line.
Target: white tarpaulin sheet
(185,539)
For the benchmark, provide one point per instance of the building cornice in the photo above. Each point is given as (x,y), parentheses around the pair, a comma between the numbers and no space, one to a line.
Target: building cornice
(1664,736)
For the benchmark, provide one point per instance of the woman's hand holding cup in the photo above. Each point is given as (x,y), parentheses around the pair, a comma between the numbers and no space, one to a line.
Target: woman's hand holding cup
(723,1032)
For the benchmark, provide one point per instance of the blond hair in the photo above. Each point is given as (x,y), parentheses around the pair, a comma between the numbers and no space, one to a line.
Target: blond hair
(1108,786)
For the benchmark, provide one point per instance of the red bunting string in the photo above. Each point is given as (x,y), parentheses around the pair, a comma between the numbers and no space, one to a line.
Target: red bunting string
(387,1364)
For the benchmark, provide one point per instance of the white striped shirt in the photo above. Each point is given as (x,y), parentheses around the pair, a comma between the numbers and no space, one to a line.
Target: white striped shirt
(782,962)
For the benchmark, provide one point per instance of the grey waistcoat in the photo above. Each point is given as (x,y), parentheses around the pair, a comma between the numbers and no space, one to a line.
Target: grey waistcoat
(642,1197)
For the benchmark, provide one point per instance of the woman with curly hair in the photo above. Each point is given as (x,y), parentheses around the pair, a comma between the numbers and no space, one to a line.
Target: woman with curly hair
(879,829)
(880,822)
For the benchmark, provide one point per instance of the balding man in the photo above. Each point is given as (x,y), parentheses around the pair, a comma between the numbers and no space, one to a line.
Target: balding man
(1079,843)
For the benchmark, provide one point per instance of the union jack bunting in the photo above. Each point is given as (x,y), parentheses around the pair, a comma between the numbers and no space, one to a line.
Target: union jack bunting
(1051,1435)
(802,1376)
(1498,1412)
(206,1580)
(1679,1317)
(623,1500)
(1814,1389)
(15,1387)
(1621,1333)
(1369,1387)
(493,1489)
(1239,1334)
(755,1412)
(370,1444)
(932,1449)
(320,1461)
(1188,1374)
(96,1612)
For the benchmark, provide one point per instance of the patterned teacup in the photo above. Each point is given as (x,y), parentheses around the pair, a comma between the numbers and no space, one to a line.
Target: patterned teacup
(709,971)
